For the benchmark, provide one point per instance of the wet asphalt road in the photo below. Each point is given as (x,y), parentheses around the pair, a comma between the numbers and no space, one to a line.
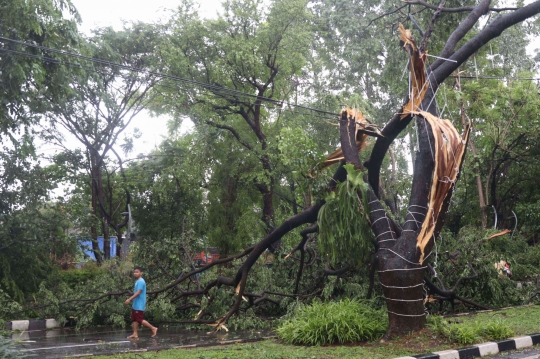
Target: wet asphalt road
(61,343)
(533,353)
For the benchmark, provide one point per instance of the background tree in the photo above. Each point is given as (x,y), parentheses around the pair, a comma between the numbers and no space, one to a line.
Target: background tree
(100,103)
(31,234)
(255,50)
(168,206)
(503,150)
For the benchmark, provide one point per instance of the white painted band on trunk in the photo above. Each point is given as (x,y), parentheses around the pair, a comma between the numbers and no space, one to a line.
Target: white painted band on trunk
(488,348)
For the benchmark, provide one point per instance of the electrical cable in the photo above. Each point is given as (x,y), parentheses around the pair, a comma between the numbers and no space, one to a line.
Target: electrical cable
(312,112)
(149,72)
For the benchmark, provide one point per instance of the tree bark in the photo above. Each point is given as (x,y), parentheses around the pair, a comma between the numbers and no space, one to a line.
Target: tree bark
(95,213)
(97,184)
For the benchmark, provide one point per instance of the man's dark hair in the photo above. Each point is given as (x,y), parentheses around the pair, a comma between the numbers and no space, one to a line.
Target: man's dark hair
(137,267)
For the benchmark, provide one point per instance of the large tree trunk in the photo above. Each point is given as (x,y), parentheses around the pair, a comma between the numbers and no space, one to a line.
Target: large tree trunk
(399,269)
(403,289)
(98,202)
(95,213)
(400,266)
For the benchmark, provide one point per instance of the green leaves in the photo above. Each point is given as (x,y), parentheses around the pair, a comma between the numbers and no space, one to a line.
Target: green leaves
(344,230)
(8,350)
(471,333)
(298,150)
(346,321)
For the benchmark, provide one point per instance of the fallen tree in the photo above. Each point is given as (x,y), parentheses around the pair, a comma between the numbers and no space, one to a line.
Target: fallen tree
(401,250)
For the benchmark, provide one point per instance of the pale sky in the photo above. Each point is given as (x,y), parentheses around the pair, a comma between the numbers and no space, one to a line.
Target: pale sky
(102,13)
(99,13)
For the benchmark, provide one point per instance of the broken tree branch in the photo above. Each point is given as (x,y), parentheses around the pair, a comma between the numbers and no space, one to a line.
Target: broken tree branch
(457,9)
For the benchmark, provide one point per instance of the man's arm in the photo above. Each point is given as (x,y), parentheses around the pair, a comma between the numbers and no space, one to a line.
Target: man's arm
(135,295)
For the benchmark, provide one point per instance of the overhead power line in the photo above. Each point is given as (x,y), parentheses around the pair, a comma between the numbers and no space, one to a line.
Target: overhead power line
(485,77)
(213,88)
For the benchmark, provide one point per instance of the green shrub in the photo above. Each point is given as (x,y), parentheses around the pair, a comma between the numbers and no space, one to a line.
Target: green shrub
(75,277)
(7,351)
(464,334)
(439,325)
(497,330)
(335,322)
(470,333)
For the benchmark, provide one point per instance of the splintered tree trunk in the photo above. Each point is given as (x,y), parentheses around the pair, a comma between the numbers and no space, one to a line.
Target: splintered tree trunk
(402,251)
(399,262)
(400,266)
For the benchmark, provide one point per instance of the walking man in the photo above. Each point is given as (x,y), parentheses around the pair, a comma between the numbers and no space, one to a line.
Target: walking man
(139,304)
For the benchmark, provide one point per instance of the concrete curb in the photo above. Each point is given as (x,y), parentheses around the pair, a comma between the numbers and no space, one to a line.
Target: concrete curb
(33,324)
(481,350)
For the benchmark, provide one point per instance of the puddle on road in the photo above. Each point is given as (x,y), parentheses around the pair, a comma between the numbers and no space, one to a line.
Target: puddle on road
(65,342)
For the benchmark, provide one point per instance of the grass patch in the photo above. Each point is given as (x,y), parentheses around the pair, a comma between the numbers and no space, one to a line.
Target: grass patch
(346,321)
(274,349)
(470,332)
(521,321)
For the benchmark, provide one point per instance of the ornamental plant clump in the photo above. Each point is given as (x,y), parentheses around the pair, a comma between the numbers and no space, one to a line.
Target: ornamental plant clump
(341,322)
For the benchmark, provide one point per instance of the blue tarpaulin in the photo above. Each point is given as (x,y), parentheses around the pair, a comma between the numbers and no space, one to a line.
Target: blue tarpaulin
(86,246)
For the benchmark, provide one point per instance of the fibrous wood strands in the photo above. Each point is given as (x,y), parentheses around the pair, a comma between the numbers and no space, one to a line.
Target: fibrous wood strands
(448,153)
(418,83)
(364,129)
(448,149)
(506,231)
